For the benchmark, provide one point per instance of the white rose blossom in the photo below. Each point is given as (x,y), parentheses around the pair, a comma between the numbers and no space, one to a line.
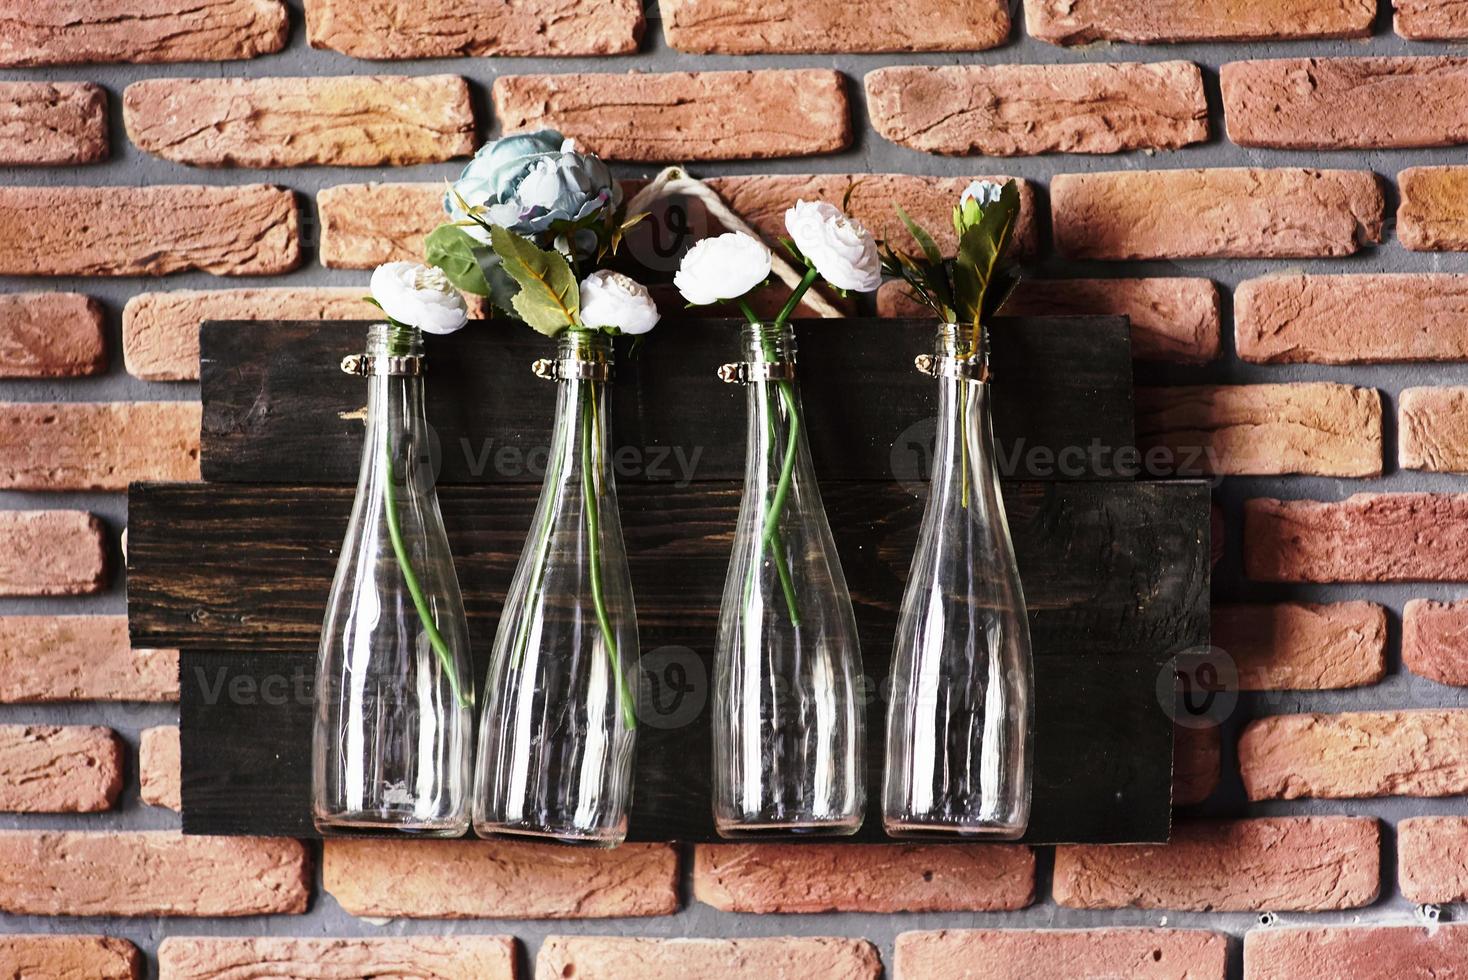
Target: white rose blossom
(842,250)
(610,299)
(985,192)
(419,296)
(722,268)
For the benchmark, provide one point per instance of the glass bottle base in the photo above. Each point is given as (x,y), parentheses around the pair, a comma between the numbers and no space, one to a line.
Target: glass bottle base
(388,824)
(743,829)
(939,830)
(557,835)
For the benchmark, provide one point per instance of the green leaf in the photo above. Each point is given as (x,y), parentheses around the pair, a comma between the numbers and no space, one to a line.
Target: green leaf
(921,236)
(549,299)
(452,250)
(980,250)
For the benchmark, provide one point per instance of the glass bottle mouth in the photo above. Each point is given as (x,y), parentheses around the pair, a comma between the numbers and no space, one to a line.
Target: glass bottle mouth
(764,342)
(962,342)
(593,346)
(386,340)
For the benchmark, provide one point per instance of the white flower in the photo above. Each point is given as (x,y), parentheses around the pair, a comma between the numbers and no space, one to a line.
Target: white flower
(419,296)
(610,299)
(722,268)
(843,251)
(985,192)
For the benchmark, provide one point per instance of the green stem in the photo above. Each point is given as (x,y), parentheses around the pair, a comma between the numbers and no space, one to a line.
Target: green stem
(771,535)
(593,527)
(963,436)
(410,579)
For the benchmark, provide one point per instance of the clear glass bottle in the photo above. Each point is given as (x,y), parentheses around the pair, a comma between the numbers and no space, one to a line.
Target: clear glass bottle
(787,722)
(394,701)
(960,707)
(559,727)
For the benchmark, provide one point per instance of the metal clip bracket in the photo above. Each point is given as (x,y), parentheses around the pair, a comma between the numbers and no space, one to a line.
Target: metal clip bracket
(951,367)
(570,369)
(367,365)
(749,372)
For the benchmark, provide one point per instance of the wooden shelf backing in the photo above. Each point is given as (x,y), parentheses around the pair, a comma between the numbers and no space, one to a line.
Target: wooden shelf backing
(1116,576)
(278,410)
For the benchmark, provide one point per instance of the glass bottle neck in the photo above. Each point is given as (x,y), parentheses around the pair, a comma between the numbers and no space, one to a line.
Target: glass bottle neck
(582,435)
(963,453)
(397,424)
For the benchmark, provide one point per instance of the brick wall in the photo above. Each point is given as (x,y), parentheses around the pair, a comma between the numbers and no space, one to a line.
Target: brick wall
(1269,189)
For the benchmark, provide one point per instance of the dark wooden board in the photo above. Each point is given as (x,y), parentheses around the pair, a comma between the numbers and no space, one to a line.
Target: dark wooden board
(278,410)
(1116,575)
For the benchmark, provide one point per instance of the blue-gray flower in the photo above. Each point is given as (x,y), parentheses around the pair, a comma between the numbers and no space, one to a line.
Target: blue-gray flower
(528,182)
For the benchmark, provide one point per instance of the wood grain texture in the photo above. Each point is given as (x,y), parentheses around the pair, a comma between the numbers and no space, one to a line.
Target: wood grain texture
(278,409)
(1087,552)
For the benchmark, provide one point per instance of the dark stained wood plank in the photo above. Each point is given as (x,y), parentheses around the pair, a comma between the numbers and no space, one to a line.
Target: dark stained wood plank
(1117,577)
(1103,750)
(278,410)
(1109,568)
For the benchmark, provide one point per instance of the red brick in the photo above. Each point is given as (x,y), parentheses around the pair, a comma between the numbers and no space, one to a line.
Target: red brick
(70,32)
(1225,213)
(160,768)
(1315,428)
(151,873)
(1196,764)
(710,115)
(793,27)
(621,957)
(1432,860)
(51,335)
(69,958)
(1298,864)
(365,225)
(1357,953)
(1355,754)
(1432,429)
(1352,319)
(1368,537)
(449,28)
(1300,646)
(246,230)
(1432,20)
(51,552)
(763,199)
(345,121)
(419,957)
(863,878)
(1173,319)
(1018,110)
(1317,103)
(1433,216)
(80,658)
(48,123)
(59,769)
(160,331)
(1176,320)
(1061,954)
(97,445)
(1434,644)
(1163,21)
(501,880)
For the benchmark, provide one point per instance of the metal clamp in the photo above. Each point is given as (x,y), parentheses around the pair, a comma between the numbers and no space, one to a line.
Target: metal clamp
(367,365)
(951,367)
(748,372)
(571,369)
